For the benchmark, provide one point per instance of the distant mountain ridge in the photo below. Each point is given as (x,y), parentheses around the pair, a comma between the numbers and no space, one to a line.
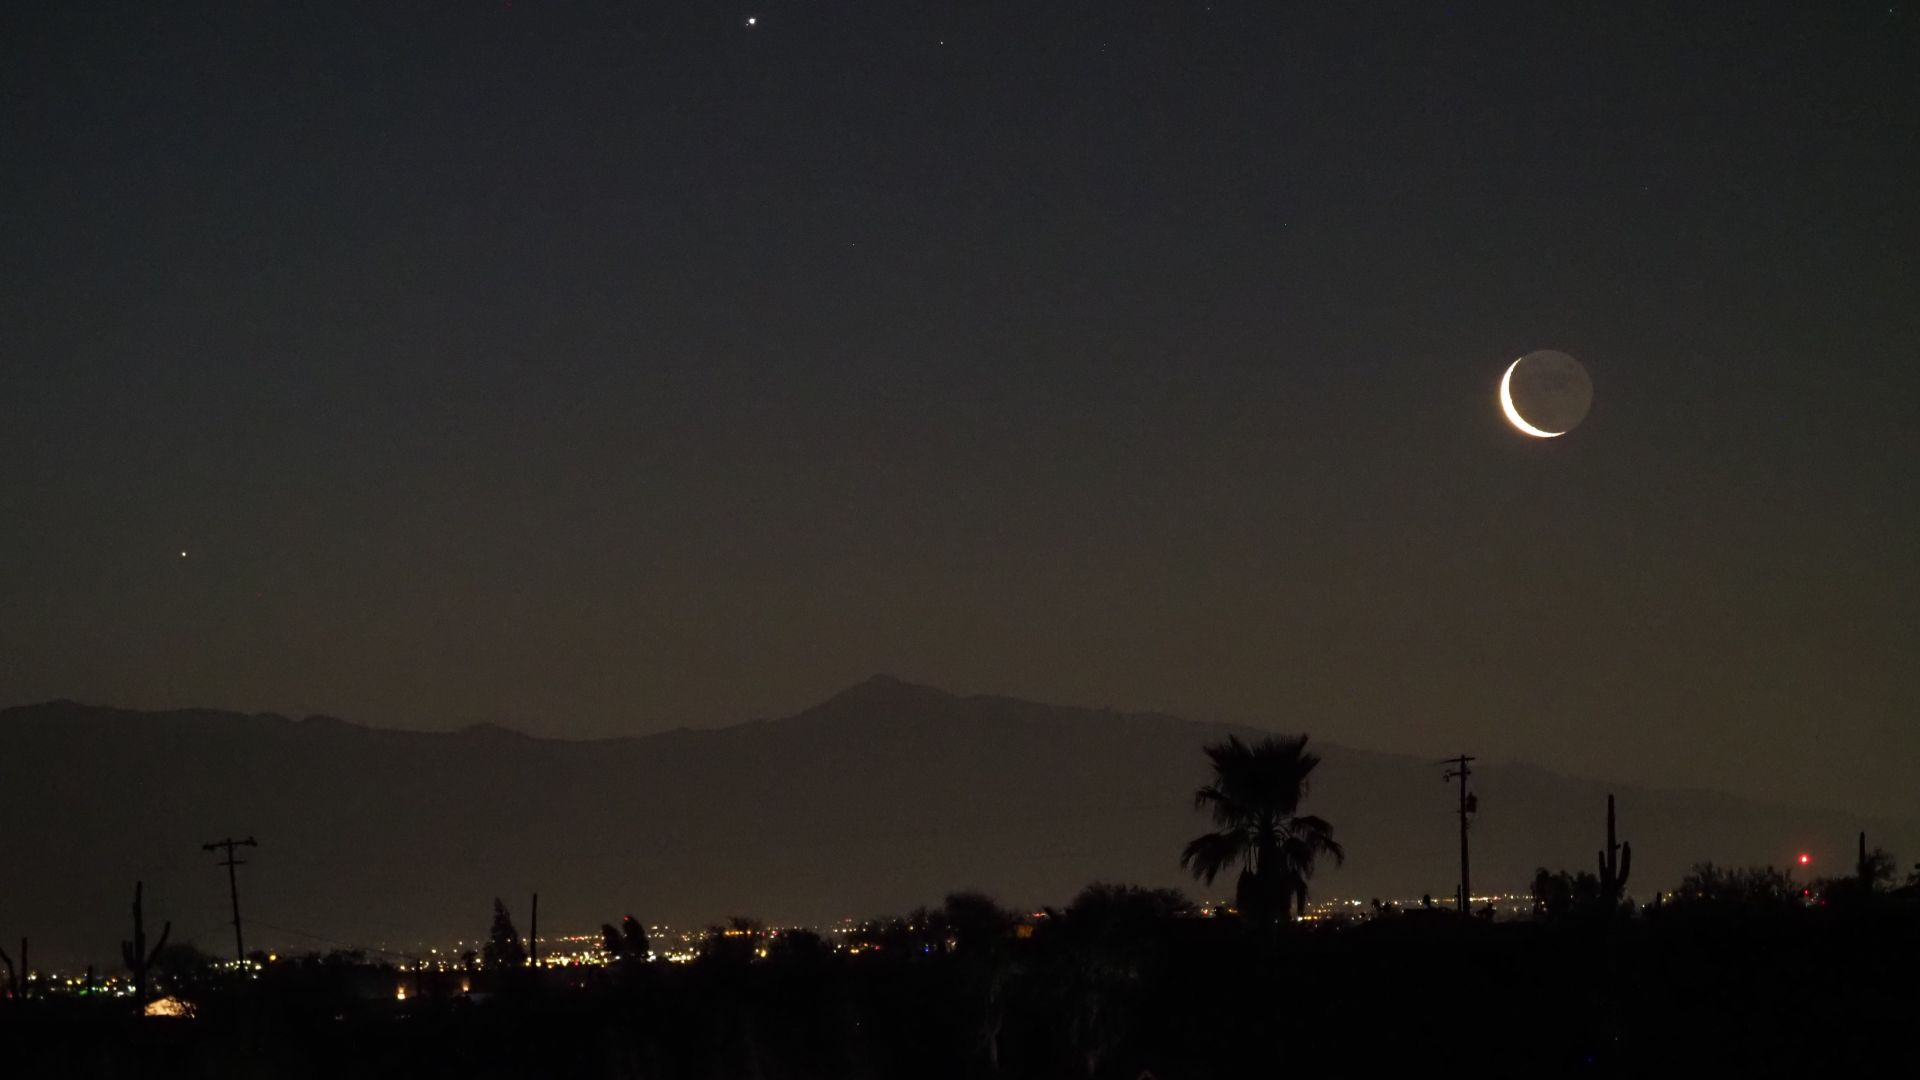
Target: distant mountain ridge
(883,797)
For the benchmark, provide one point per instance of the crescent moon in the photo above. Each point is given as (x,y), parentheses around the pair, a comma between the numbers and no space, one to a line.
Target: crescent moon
(1513,414)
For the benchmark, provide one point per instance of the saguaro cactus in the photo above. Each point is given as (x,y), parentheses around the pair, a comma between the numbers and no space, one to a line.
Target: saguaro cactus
(1616,861)
(138,957)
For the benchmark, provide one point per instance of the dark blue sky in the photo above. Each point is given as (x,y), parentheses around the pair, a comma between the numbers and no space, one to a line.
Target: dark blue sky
(599,368)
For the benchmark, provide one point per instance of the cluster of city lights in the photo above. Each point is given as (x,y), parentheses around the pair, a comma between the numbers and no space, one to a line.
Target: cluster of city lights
(669,945)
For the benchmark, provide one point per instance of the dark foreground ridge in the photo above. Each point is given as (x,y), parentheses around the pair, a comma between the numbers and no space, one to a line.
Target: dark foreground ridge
(1124,983)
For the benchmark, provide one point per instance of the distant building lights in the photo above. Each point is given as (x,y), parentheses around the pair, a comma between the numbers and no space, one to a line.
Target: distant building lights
(171,1007)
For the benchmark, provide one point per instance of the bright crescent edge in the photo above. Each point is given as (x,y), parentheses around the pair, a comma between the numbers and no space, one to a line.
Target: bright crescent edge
(1513,414)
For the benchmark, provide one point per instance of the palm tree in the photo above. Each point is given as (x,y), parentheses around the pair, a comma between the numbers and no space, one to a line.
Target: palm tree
(1255,800)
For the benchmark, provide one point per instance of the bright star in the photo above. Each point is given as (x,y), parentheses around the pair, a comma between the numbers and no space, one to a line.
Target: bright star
(752,19)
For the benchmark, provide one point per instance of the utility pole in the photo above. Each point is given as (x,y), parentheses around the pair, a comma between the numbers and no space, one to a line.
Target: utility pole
(233,886)
(1468,803)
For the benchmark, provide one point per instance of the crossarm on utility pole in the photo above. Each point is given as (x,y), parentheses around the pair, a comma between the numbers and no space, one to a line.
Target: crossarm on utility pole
(233,886)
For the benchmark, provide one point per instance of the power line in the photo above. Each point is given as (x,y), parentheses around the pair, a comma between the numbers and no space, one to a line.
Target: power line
(324,940)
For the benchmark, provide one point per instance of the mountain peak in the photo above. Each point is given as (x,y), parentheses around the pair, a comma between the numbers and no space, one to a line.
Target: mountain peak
(884,688)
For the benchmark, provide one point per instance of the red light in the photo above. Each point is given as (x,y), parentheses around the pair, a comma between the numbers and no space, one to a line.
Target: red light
(1805,859)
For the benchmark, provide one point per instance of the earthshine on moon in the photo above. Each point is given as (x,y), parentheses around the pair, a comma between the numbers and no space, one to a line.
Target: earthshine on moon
(1545,394)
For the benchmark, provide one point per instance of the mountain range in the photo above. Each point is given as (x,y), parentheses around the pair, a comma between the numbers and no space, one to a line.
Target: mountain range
(884,797)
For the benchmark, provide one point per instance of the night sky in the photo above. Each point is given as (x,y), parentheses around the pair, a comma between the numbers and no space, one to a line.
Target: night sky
(597,369)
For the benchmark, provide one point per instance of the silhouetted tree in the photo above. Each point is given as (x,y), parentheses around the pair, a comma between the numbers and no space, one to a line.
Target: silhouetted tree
(919,932)
(1557,893)
(1109,940)
(1552,893)
(503,948)
(979,934)
(13,975)
(1748,887)
(797,947)
(737,942)
(1873,869)
(1873,874)
(974,923)
(1255,800)
(627,944)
